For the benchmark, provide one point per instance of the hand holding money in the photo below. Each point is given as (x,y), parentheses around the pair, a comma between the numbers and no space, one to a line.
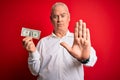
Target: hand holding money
(27,41)
(29,44)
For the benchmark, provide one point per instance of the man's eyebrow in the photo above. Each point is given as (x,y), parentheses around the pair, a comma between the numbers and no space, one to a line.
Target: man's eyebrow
(60,14)
(63,13)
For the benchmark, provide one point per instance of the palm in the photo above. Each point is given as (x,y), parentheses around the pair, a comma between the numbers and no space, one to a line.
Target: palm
(80,50)
(81,45)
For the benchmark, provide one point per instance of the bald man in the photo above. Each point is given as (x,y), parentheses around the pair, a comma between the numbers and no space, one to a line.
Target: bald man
(61,55)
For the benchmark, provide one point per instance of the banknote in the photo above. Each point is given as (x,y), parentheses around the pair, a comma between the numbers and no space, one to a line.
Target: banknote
(30,33)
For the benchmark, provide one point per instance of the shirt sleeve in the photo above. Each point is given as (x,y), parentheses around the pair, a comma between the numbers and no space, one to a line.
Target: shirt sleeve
(92,59)
(34,60)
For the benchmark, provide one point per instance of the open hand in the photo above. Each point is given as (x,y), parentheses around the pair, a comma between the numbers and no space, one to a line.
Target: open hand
(81,45)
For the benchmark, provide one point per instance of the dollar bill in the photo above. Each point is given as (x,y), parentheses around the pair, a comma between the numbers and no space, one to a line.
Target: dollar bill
(30,33)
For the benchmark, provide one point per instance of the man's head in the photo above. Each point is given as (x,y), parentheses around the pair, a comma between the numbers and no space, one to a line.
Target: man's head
(60,16)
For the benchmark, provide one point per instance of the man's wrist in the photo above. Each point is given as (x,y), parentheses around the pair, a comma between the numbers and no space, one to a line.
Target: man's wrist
(84,61)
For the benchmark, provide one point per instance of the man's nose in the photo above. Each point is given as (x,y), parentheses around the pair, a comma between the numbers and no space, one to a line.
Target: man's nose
(59,18)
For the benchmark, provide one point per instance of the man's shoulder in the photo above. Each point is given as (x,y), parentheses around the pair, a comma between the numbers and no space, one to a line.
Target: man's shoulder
(46,37)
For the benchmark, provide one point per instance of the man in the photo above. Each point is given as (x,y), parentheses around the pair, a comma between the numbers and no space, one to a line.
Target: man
(61,55)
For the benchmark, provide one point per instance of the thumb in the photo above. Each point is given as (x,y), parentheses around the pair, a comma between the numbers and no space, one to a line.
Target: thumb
(66,46)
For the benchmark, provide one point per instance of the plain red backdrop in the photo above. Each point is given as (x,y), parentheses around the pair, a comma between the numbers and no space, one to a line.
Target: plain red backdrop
(102,18)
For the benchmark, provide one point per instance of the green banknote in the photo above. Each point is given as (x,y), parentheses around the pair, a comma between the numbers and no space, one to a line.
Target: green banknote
(30,33)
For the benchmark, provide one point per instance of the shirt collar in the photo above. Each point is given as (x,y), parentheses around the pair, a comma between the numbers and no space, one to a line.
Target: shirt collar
(69,34)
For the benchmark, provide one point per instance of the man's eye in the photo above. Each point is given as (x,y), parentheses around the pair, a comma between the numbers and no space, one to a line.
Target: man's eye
(63,15)
(54,16)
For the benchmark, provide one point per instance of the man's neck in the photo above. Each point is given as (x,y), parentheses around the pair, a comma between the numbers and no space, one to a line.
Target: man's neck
(60,33)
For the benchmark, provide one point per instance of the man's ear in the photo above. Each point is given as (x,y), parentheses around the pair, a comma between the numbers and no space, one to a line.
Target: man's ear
(69,17)
(51,18)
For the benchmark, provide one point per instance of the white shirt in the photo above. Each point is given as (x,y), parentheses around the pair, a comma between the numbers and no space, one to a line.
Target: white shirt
(51,61)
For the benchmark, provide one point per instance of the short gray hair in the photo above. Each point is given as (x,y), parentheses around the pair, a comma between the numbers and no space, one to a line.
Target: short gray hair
(59,4)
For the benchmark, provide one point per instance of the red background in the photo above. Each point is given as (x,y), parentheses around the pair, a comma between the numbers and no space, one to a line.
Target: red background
(102,18)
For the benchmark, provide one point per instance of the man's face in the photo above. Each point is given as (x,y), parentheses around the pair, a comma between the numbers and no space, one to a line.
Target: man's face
(60,18)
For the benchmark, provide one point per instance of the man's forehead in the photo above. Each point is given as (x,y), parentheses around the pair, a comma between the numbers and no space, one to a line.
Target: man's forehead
(60,9)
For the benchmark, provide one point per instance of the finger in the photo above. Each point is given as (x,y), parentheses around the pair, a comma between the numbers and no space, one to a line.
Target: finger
(26,40)
(87,34)
(80,29)
(23,41)
(66,46)
(76,31)
(29,45)
(84,30)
